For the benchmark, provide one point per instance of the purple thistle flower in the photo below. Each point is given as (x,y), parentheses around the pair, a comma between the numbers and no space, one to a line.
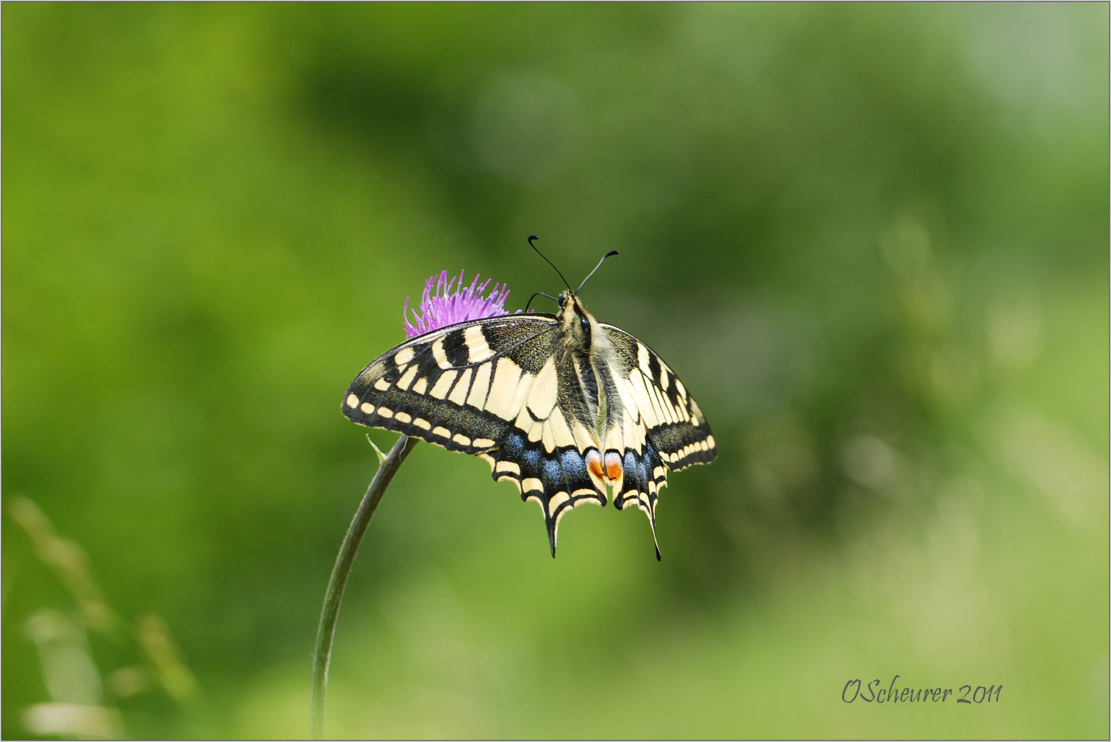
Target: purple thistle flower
(439,307)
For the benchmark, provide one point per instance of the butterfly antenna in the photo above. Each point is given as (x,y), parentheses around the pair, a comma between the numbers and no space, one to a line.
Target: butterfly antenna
(537,249)
(539,293)
(610,254)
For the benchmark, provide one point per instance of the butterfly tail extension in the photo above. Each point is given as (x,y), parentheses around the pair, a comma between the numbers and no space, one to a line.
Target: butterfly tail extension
(643,476)
(558,481)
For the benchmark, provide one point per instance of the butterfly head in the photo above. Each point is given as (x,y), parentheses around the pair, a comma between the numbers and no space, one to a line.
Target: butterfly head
(574,320)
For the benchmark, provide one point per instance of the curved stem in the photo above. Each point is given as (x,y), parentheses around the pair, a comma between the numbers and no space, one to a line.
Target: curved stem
(322,655)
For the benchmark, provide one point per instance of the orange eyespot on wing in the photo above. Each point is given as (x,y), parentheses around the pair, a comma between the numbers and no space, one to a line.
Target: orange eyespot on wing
(613,466)
(594,463)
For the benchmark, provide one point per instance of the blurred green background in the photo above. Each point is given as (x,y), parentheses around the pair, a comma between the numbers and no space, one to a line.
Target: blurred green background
(872,239)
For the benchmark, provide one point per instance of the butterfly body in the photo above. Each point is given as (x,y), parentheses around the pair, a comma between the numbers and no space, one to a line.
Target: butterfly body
(562,405)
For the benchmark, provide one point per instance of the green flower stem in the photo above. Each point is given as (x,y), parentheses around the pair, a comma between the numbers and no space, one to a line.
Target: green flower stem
(344,561)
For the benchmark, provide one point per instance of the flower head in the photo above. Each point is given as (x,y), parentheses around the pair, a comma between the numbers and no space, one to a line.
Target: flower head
(439,307)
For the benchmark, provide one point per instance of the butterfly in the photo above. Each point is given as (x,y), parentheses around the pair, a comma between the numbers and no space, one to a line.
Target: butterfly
(562,405)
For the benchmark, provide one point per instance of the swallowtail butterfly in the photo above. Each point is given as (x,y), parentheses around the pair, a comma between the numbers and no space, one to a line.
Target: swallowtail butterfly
(561,405)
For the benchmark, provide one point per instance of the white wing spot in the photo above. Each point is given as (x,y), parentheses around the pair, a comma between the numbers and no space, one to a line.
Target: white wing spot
(439,391)
(557,499)
(547,437)
(440,354)
(477,348)
(503,390)
(352,400)
(506,466)
(542,395)
(407,378)
(536,432)
(458,394)
(480,387)
(562,432)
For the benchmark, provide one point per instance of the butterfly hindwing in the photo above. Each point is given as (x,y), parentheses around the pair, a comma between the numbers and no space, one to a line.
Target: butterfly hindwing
(557,480)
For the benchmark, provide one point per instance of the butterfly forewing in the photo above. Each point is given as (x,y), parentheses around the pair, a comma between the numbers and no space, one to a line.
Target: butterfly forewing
(448,387)
(676,427)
